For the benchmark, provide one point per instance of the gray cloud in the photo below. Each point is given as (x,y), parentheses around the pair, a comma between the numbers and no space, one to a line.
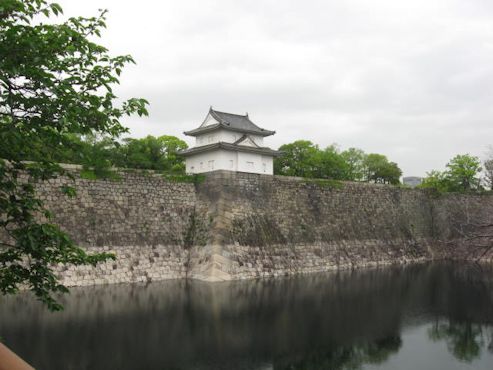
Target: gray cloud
(409,79)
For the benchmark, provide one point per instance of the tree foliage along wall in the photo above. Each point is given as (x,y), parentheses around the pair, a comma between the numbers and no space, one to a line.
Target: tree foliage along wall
(100,154)
(461,175)
(488,173)
(55,83)
(305,159)
(155,153)
(301,158)
(488,170)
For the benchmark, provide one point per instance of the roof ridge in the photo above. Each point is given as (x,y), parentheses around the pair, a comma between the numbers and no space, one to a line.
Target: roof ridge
(230,121)
(232,114)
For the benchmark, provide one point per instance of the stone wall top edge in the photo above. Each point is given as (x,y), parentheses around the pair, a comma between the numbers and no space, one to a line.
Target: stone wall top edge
(119,170)
(231,175)
(125,173)
(455,195)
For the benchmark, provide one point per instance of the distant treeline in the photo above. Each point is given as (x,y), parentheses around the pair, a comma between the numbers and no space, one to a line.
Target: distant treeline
(102,154)
(304,159)
(301,158)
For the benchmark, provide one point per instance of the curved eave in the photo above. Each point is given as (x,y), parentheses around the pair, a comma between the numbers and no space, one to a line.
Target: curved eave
(230,147)
(216,126)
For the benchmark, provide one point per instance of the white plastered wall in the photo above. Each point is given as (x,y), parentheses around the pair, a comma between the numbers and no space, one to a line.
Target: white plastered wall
(255,163)
(268,165)
(211,161)
(229,160)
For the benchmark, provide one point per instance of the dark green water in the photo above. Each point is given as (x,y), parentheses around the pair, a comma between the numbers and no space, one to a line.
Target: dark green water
(434,316)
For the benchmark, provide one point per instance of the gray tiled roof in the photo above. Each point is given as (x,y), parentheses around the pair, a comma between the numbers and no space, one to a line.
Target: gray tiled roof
(229,146)
(235,122)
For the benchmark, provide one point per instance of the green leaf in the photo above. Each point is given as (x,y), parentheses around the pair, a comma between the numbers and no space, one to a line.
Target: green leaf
(69,191)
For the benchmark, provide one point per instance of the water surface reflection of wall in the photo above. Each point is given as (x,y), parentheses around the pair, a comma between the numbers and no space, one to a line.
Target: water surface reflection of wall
(285,322)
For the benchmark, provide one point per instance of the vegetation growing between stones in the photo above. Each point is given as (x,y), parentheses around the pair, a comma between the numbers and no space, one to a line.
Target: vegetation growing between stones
(115,175)
(99,173)
(189,237)
(195,178)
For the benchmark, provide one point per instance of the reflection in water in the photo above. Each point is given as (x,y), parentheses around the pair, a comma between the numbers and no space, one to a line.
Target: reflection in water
(345,320)
(350,357)
(464,339)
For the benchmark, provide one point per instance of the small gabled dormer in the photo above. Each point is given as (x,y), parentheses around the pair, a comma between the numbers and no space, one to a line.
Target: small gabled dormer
(247,140)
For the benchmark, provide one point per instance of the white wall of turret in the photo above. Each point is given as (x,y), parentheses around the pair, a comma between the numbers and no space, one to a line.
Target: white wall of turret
(231,161)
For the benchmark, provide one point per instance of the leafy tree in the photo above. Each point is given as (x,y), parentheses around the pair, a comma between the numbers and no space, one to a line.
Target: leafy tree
(299,158)
(155,153)
(373,164)
(171,145)
(354,159)
(378,169)
(329,164)
(54,83)
(436,180)
(304,159)
(97,154)
(392,173)
(488,170)
(463,172)
(100,154)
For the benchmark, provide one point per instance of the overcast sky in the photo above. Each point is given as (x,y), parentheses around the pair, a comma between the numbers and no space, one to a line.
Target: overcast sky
(409,79)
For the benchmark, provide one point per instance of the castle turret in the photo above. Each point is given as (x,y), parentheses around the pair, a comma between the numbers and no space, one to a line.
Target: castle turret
(226,141)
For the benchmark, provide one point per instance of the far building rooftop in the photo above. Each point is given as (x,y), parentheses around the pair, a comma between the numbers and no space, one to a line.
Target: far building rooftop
(412,181)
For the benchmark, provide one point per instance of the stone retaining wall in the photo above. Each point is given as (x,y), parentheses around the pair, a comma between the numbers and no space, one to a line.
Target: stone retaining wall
(150,223)
(239,226)
(138,209)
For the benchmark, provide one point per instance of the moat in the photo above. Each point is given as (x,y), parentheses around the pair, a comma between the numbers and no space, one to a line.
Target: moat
(428,316)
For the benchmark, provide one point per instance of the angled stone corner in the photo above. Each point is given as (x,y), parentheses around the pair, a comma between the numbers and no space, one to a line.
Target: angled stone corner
(208,262)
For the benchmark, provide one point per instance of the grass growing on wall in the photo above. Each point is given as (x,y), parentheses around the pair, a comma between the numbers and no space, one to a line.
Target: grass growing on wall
(97,174)
(195,179)
(112,174)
